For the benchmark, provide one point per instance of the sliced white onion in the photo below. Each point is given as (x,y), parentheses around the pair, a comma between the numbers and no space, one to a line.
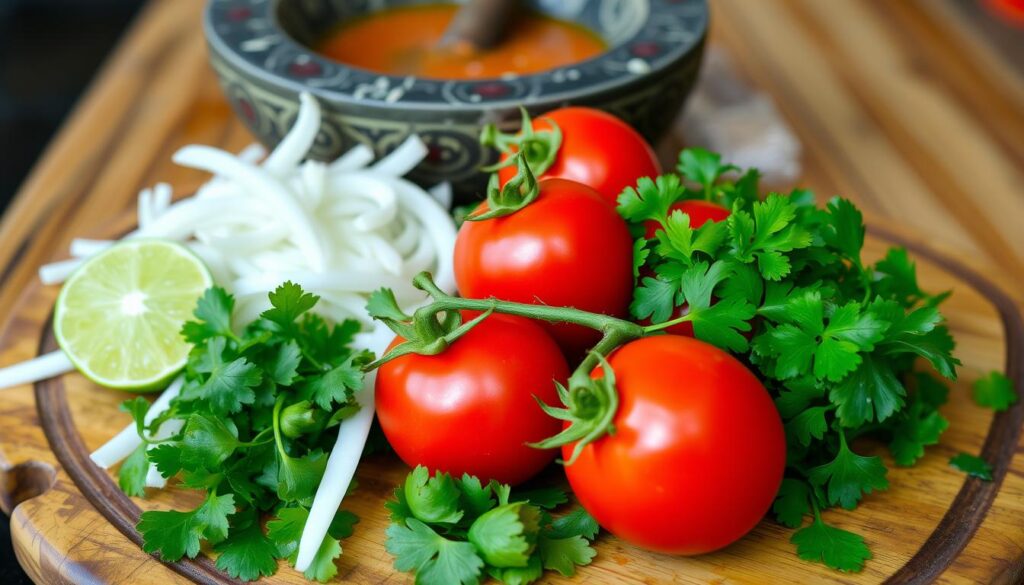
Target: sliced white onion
(299,139)
(442,193)
(403,159)
(116,449)
(356,158)
(43,367)
(58,272)
(83,248)
(344,457)
(253,153)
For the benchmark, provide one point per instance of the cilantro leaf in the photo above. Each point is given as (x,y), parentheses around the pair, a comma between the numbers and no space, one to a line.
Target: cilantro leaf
(298,477)
(206,443)
(289,302)
(137,407)
(435,559)
(654,299)
(338,384)
(994,391)
(872,392)
(565,554)
(896,277)
(844,228)
(546,498)
(475,498)
(702,166)
(792,502)
(432,499)
(284,368)
(248,554)
(131,477)
(506,536)
(849,476)
(972,465)
(651,199)
(230,384)
(577,522)
(213,314)
(518,575)
(835,547)
(176,534)
(807,425)
(918,429)
(322,568)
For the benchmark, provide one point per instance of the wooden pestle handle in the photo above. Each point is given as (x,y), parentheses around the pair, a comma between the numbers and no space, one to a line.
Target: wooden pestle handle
(479,24)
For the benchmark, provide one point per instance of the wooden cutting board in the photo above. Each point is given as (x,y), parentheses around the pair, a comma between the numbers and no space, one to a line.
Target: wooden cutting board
(943,155)
(74,525)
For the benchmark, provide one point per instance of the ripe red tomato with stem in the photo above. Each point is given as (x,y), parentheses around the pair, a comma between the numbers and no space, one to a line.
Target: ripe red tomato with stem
(698,451)
(554,242)
(471,408)
(700,213)
(581,144)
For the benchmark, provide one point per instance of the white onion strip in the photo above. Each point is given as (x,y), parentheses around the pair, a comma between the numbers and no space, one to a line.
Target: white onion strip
(43,367)
(116,449)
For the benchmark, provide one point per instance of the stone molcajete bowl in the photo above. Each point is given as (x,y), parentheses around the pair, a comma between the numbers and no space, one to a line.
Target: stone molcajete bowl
(260,51)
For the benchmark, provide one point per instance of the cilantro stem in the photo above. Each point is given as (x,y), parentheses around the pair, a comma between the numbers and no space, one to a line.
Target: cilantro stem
(670,323)
(279,443)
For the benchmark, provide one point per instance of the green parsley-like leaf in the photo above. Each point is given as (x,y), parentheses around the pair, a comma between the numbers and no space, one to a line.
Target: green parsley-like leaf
(298,477)
(284,368)
(505,536)
(248,554)
(844,228)
(213,314)
(131,477)
(137,407)
(546,498)
(872,392)
(792,502)
(565,554)
(972,465)
(837,548)
(651,199)
(322,568)
(809,424)
(920,427)
(337,385)
(206,443)
(435,559)
(475,498)
(289,302)
(176,534)
(578,522)
(654,299)
(994,391)
(230,384)
(702,166)
(533,570)
(849,476)
(432,499)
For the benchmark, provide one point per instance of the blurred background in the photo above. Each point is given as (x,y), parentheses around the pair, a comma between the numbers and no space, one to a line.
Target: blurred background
(51,49)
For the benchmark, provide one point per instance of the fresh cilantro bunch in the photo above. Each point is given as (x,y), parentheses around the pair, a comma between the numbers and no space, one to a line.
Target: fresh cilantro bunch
(253,413)
(455,531)
(782,285)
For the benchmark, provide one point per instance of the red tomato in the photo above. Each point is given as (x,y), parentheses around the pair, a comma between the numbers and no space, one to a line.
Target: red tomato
(698,451)
(470,409)
(569,248)
(598,150)
(700,213)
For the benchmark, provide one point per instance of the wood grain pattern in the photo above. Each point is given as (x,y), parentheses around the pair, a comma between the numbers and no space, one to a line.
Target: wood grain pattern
(897,108)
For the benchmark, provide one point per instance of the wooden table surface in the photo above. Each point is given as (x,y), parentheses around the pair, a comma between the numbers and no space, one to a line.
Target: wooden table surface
(899,106)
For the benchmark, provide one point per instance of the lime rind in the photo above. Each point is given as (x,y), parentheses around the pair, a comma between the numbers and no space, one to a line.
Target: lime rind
(119,316)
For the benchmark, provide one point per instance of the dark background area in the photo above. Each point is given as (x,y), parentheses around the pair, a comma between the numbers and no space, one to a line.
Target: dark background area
(49,51)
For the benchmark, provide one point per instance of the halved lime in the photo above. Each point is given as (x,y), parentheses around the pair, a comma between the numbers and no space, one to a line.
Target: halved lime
(119,316)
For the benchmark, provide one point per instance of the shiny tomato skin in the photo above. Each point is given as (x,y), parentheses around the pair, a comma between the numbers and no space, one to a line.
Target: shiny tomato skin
(598,150)
(569,248)
(471,408)
(698,451)
(700,213)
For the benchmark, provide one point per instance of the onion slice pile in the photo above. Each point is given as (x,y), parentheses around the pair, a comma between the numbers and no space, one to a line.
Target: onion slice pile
(341,230)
